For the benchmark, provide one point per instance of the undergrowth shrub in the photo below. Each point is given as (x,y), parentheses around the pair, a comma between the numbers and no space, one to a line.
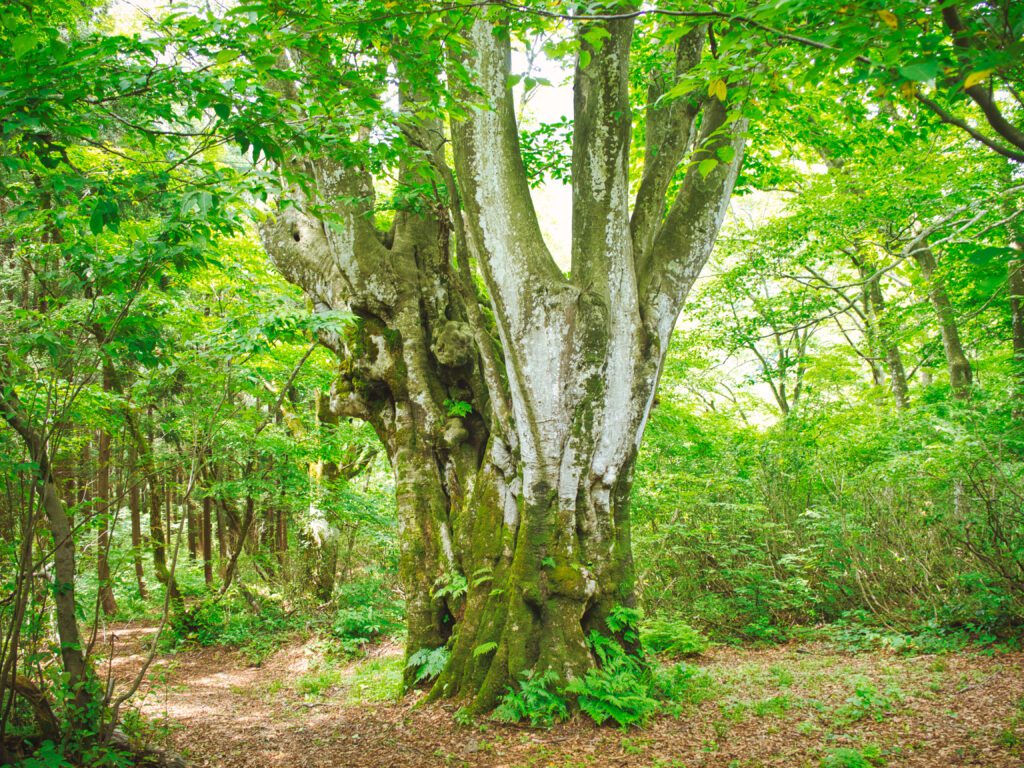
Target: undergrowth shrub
(834,514)
(671,637)
(257,630)
(367,610)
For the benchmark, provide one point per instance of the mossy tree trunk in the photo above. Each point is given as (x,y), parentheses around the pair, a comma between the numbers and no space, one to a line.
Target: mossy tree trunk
(510,397)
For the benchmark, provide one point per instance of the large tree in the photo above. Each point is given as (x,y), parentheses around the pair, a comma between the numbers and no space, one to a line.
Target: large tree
(512,407)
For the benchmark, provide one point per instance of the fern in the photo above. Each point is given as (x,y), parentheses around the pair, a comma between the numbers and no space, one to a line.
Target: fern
(458,408)
(428,662)
(480,650)
(621,689)
(614,694)
(450,585)
(537,700)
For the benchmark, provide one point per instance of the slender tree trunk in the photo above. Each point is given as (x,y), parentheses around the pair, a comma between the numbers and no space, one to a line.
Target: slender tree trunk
(158,541)
(957,364)
(168,527)
(106,591)
(281,539)
(243,537)
(208,540)
(882,332)
(85,709)
(1016,285)
(193,533)
(135,510)
(222,541)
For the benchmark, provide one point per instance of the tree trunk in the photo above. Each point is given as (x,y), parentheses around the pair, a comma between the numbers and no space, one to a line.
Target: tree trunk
(207,540)
(959,367)
(85,710)
(243,536)
(106,592)
(222,541)
(1017,321)
(512,413)
(281,537)
(157,540)
(168,527)
(135,510)
(882,332)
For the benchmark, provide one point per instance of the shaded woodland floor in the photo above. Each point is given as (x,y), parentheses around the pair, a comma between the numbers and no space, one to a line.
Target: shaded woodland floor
(796,705)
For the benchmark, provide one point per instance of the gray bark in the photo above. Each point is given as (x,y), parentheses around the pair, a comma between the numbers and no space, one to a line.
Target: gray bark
(514,515)
(64,569)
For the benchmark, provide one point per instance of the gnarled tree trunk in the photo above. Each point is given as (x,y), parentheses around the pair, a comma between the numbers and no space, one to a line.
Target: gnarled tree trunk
(512,411)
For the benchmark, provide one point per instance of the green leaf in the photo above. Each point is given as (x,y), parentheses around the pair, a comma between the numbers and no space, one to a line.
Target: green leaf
(263,63)
(921,71)
(595,37)
(96,219)
(707,166)
(225,56)
(480,650)
(24,43)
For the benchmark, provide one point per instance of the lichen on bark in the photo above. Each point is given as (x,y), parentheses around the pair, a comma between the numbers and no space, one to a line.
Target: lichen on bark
(513,508)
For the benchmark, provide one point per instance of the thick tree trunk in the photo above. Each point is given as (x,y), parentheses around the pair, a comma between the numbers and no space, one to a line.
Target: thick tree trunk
(512,414)
(543,570)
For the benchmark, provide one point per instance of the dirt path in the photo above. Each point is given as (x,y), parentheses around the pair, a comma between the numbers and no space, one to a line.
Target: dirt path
(790,706)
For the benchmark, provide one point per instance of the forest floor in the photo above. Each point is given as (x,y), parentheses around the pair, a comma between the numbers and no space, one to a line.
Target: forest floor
(792,706)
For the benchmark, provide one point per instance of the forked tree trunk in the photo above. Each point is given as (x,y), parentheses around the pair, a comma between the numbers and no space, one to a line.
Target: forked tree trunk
(512,411)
